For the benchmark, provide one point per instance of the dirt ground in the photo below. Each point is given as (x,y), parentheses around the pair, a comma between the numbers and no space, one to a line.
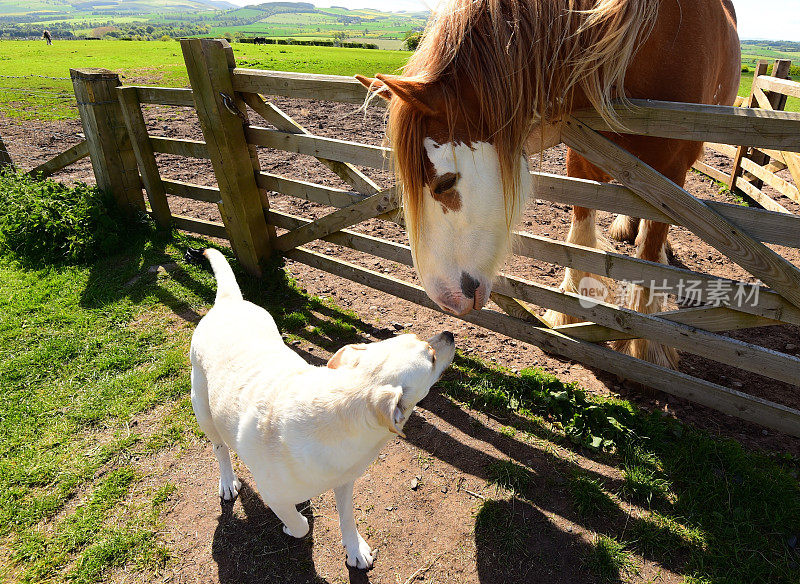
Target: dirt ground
(448,448)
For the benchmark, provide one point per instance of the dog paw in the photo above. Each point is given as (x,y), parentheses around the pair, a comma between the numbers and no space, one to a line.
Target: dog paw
(301,533)
(229,489)
(360,555)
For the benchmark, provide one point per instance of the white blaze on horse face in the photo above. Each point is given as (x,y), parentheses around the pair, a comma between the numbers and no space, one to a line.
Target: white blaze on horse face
(464,234)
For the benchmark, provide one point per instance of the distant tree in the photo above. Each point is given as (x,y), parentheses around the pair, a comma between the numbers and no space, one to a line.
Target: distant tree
(412,40)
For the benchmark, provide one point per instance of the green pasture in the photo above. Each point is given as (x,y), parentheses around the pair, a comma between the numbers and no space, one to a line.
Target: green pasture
(95,399)
(153,63)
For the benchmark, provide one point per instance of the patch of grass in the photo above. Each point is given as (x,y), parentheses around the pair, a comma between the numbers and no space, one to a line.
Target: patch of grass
(508,475)
(499,530)
(661,536)
(609,559)
(589,496)
(644,486)
(47,221)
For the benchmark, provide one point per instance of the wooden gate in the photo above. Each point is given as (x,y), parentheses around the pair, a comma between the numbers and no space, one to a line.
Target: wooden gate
(222,94)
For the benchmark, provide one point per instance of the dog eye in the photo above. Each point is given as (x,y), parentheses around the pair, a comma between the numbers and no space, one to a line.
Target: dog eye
(444,183)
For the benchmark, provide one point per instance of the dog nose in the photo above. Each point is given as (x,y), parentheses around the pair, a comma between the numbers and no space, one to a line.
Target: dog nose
(469,285)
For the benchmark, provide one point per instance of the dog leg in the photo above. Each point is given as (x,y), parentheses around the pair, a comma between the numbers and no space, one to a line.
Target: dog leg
(359,554)
(229,485)
(294,523)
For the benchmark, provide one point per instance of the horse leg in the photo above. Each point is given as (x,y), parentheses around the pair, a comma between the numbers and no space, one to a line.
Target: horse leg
(652,246)
(582,231)
(624,228)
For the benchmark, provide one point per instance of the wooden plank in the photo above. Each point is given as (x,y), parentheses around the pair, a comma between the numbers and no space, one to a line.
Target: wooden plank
(319,147)
(710,171)
(782,86)
(735,403)
(179,147)
(306,190)
(191,191)
(164,96)
(766,226)
(145,158)
(784,187)
(201,226)
(113,159)
(758,195)
(704,123)
(301,85)
(687,338)
(367,208)
(778,273)
(725,149)
(677,281)
(275,116)
(222,118)
(52,166)
(712,319)
(761,98)
(518,309)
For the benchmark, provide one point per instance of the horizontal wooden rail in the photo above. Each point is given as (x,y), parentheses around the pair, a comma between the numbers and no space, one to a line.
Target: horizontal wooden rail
(709,170)
(300,85)
(782,86)
(62,160)
(765,226)
(201,226)
(735,403)
(306,190)
(319,147)
(191,191)
(179,147)
(704,123)
(625,268)
(165,96)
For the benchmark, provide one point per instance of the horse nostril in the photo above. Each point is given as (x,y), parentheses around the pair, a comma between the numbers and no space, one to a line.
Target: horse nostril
(469,285)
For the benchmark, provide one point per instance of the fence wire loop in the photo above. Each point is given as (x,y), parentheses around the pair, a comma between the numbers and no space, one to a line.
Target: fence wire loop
(231,106)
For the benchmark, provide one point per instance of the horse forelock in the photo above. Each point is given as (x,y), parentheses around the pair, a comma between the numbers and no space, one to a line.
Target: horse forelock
(502,67)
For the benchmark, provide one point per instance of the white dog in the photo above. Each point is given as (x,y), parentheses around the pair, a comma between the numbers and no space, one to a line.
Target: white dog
(302,429)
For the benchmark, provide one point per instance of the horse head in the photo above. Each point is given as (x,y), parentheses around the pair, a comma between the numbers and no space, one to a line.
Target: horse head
(459,207)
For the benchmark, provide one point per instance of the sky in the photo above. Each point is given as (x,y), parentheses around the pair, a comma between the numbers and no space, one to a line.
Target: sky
(758,19)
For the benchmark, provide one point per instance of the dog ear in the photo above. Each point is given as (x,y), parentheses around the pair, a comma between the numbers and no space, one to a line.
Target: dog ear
(388,409)
(347,356)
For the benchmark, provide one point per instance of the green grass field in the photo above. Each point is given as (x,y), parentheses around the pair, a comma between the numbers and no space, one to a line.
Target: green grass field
(160,63)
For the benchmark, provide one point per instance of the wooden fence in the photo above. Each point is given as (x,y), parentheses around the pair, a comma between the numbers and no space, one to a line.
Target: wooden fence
(226,97)
(752,168)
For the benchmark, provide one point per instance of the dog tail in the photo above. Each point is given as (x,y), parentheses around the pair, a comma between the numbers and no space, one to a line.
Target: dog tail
(226,281)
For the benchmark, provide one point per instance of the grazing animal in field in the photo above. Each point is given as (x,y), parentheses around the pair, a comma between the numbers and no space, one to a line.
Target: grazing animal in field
(491,80)
(301,430)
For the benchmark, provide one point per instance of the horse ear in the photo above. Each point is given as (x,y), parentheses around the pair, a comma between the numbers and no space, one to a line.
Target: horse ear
(418,93)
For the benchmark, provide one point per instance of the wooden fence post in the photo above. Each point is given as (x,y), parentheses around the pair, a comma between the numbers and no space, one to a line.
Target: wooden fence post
(222,115)
(780,69)
(5,157)
(110,150)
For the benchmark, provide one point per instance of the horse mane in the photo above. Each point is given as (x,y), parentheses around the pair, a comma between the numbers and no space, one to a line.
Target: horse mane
(523,62)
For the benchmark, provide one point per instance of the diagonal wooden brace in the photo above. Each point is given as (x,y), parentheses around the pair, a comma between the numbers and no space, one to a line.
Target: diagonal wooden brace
(775,271)
(275,116)
(370,207)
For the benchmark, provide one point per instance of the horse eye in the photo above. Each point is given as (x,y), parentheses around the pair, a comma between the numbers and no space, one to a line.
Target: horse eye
(445,182)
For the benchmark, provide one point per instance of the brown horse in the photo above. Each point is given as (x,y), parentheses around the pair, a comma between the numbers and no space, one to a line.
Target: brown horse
(490,82)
